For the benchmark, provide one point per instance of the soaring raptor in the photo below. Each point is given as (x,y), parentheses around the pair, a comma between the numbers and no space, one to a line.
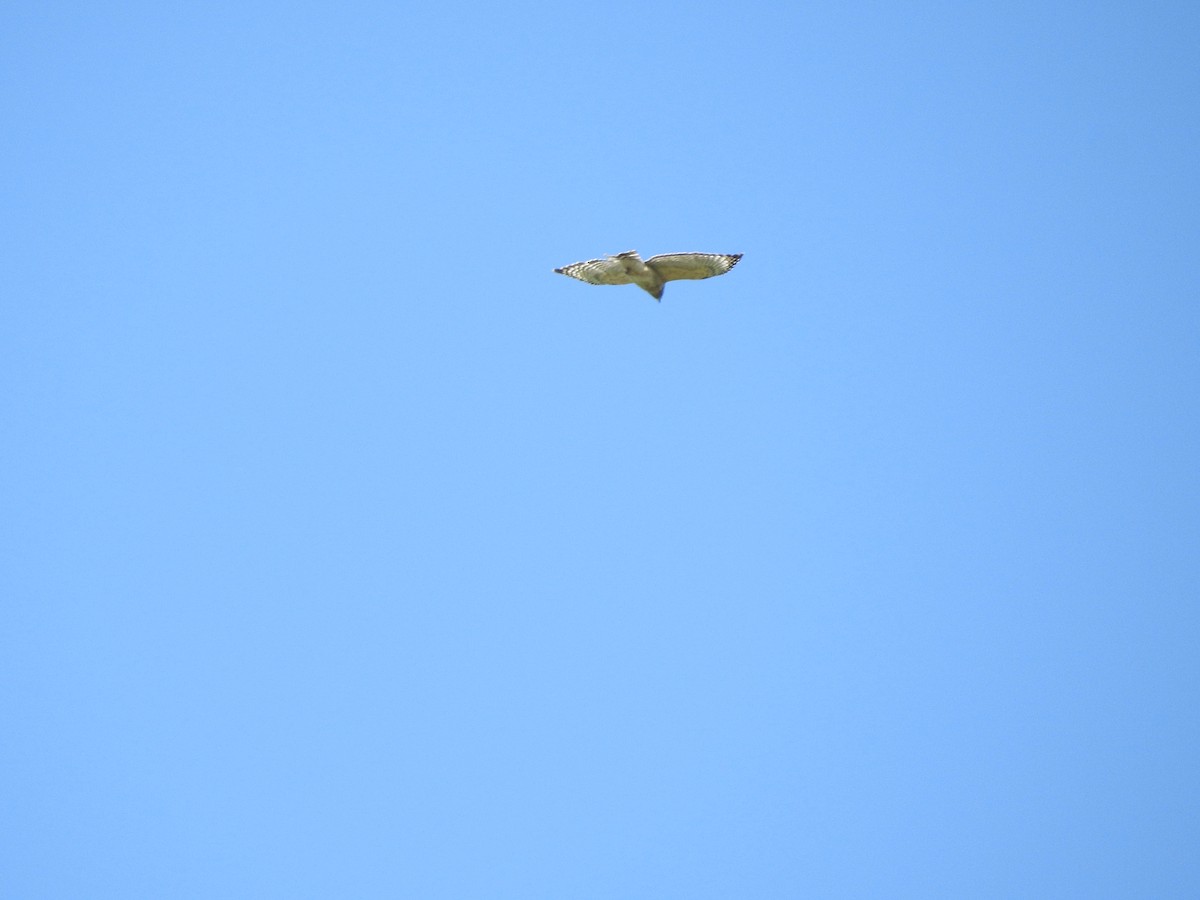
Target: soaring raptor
(651,274)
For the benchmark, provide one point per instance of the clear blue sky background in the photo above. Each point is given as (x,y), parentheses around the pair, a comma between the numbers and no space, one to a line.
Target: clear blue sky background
(350,552)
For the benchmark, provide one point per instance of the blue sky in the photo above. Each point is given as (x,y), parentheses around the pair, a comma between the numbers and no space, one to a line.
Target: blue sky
(348,551)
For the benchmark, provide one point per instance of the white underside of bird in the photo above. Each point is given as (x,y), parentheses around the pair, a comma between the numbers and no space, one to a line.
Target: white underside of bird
(653,273)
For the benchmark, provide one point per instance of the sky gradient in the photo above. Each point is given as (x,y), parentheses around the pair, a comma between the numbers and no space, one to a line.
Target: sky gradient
(350,552)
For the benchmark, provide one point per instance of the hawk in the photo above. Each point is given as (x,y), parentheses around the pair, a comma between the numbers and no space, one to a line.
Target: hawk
(651,274)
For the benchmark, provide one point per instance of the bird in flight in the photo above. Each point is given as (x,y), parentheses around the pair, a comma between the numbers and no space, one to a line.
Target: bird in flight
(651,274)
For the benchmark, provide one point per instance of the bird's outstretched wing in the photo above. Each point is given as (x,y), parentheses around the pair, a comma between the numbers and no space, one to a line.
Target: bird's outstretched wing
(677,266)
(597,271)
